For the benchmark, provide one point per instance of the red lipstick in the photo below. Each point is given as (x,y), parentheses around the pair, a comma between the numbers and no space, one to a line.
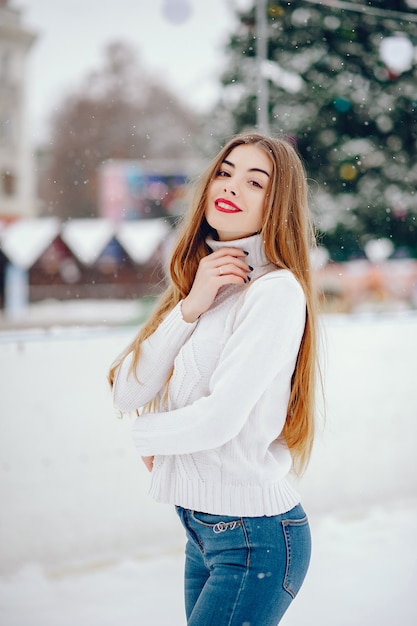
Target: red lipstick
(225,206)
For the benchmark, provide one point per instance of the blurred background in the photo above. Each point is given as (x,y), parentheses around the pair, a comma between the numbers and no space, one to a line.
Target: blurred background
(108,111)
(107,114)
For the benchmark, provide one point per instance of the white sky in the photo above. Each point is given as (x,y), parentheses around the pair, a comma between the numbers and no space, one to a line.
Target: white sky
(73,33)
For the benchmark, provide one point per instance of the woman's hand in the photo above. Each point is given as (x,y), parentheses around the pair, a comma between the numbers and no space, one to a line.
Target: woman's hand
(148,460)
(223,267)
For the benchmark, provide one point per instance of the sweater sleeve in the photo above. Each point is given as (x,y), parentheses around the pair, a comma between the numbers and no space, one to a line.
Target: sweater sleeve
(265,343)
(156,359)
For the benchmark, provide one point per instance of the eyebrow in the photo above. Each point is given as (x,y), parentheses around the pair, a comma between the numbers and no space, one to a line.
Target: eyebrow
(252,169)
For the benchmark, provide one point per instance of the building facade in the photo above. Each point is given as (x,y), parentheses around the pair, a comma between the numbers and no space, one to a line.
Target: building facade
(17,178)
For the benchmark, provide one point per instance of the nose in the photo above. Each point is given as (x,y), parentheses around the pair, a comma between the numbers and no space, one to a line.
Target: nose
(229,188)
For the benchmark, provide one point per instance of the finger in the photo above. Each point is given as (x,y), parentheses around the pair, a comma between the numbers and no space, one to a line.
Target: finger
(224,257)
(233,261)
(232,279)
(148,461)
(231,269)
(228,268)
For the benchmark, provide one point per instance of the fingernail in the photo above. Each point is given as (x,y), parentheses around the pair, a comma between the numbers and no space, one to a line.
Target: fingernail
(245,252)
(250,267)
(249,278)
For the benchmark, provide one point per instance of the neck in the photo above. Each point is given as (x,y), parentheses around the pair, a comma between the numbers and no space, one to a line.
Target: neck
(231,237)
(254,245)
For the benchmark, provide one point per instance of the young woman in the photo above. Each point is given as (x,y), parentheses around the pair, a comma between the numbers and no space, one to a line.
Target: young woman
(222,377)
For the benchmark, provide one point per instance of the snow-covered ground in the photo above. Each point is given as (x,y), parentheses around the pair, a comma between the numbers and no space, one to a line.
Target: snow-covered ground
(80,540)
(363,573)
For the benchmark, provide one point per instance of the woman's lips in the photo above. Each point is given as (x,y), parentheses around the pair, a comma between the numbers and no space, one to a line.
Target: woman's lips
(225,206)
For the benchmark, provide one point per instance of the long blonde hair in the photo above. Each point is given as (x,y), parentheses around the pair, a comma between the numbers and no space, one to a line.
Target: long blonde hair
(288,237)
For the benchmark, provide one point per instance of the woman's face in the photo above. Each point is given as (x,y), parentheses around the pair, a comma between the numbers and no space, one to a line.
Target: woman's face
(237,195)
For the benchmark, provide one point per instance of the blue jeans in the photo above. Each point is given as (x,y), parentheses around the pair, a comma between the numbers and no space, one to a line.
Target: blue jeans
(243,571)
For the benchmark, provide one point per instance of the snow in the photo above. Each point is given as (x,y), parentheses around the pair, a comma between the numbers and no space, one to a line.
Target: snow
(397,52)
(25,240)
(141,238)
(289,81)
(87,237)
(82,542)
(362,573)
(80,314)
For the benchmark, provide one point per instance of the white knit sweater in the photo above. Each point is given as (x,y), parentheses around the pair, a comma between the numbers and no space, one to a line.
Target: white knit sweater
(216,435)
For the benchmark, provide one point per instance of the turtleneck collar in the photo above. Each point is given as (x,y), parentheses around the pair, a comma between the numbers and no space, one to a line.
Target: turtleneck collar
(254,245)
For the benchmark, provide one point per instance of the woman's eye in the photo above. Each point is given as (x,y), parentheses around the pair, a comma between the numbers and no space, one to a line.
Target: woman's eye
(255,183)
(222,173)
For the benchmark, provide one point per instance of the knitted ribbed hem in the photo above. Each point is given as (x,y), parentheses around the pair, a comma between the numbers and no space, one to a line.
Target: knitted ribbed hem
(238,500)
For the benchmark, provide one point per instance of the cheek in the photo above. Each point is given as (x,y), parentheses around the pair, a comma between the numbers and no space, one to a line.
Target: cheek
(261,212)
(265,209)
(209,211)
(211,194)
(259,220)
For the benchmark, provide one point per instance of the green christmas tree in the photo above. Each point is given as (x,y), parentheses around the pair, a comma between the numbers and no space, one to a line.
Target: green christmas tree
(342,83)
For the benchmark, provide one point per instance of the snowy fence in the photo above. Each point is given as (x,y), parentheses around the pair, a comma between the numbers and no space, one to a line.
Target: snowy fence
(73,491)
